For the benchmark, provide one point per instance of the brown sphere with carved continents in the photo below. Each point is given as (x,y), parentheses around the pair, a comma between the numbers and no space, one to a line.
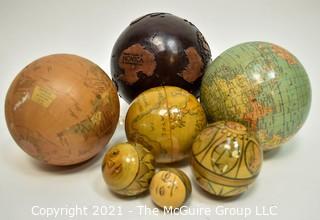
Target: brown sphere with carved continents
(62,109)
(159,49)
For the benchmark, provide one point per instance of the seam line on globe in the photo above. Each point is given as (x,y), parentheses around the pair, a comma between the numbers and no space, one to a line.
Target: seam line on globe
(169,116)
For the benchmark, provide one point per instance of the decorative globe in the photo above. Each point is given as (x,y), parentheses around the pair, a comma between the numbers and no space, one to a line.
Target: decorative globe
(260,85)
(62,109)
(226,159)
(170,188)
(165,120)
(127,168)
(159,49)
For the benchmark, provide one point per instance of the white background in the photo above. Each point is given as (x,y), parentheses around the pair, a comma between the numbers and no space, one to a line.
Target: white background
(30,29)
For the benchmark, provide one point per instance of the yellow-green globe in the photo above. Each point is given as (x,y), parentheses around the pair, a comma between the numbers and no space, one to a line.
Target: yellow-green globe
(260,85)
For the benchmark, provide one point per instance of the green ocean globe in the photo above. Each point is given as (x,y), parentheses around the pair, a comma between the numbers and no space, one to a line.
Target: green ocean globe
(260,85)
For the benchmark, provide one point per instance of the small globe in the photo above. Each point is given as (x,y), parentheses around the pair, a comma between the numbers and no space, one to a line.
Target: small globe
(159,49)
(62,109)
(127,168)
(165,120)
(170,188)
(260,85)
(226,159)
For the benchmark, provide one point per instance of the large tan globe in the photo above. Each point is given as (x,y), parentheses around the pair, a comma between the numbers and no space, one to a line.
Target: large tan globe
(62,109)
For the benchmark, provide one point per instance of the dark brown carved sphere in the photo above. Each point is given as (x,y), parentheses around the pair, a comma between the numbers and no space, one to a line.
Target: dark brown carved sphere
(159,49)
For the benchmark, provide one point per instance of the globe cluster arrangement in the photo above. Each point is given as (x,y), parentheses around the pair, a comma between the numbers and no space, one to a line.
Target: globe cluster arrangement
(220,116)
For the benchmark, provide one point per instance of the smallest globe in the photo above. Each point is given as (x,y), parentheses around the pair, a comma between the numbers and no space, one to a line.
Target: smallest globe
(170,188)
(127,168)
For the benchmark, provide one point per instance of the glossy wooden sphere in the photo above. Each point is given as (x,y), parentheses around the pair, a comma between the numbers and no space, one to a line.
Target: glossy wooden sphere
(226,159)
(127,168)
(159,49)
(170,187)
(62,109)
(165,120)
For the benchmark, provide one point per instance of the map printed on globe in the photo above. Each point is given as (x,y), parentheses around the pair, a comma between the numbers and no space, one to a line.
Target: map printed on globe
(165,120)
(62,109)
(260,85)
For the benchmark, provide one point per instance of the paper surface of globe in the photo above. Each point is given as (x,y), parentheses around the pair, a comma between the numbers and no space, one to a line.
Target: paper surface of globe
(260,85)
(62,109)
(165,120)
